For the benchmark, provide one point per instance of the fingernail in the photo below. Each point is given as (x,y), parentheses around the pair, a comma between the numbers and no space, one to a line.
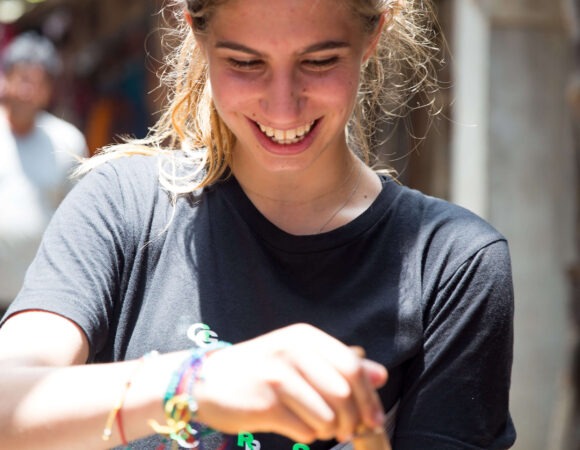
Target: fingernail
(347,438)
(379,418)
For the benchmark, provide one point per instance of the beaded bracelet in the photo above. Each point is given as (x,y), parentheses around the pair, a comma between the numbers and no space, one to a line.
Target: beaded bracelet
(179,404)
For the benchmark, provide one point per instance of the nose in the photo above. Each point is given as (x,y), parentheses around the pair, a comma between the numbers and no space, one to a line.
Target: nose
(283,97)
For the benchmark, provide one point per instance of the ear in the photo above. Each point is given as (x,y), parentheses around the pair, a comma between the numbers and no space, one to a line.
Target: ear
(188,18)
(374,38)
(198,38)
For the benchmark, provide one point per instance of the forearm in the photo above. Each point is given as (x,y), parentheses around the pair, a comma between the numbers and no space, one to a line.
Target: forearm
(49,401)
(67,408)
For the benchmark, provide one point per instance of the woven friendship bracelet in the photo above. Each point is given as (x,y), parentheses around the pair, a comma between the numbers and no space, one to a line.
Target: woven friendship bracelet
(179,405)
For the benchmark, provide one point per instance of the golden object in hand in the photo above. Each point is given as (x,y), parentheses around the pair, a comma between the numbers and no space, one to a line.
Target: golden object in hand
(367,439)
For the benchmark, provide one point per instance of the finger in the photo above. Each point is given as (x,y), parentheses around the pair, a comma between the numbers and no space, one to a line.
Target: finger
(349,391)
(291,425)
(376,373)
(335,390)
(305,400)
(349,366)
(363,375)
(367,400)
(335,381)
(358,350)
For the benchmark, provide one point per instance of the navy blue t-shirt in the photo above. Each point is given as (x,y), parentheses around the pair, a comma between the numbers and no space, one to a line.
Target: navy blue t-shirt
(423,285)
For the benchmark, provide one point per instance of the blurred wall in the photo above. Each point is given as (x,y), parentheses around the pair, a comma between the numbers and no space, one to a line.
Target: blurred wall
(514,163)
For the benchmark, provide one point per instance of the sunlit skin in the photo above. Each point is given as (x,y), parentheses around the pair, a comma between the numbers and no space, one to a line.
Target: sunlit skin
(299,67)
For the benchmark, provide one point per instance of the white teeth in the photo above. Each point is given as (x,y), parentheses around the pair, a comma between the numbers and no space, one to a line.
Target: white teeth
(286,136)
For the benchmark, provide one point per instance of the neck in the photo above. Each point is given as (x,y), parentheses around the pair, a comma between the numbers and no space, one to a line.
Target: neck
(346,202)
(20,122)
(302,188)
(301,185)
(315,200)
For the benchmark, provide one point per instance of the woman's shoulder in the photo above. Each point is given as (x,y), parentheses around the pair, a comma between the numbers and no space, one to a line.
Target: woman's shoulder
(443,233)
(438,216)
(119,177)
(172,171)
(159,185)
(138,165)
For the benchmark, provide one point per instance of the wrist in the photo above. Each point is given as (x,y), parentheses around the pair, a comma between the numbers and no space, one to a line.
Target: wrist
(144,400)
(180,407)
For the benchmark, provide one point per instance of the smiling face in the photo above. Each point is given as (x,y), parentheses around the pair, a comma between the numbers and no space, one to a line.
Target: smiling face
(284,77)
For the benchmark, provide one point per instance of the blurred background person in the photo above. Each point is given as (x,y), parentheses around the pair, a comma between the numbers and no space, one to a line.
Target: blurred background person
(37,153)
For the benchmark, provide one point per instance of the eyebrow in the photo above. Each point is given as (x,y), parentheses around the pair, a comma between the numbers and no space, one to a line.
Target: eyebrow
(321,46)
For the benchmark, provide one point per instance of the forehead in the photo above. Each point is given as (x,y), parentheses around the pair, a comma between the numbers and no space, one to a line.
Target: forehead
(284,22)
(28,70)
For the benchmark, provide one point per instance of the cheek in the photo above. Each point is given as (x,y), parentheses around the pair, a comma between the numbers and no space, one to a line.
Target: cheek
(230,91)
(232,100)
(233,93)
(338,91)
(45,94)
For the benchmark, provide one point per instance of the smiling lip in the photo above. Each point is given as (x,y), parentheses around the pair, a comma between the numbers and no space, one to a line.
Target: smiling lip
(284,145)
(285,137)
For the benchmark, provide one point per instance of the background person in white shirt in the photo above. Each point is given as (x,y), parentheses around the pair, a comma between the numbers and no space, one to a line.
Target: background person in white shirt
(37,152)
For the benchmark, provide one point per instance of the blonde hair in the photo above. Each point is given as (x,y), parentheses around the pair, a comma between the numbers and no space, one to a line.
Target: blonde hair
(402,68)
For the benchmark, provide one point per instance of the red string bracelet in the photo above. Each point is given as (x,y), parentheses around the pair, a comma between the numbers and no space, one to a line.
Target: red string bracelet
(121,429)
(115,414)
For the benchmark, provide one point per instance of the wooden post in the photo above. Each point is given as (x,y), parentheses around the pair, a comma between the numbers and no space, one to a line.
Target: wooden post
(572,19)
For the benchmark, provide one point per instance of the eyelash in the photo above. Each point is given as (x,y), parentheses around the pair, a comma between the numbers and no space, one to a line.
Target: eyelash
(314,64)
(322,63)
(245,65)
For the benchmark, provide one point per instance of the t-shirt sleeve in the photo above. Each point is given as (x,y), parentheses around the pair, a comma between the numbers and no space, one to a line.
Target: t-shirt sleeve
(456,390)
(78,267)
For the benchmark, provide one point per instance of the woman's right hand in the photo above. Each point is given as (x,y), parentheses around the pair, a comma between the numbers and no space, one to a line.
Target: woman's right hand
(296,381)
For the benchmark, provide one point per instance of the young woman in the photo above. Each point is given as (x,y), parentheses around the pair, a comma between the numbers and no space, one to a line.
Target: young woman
(249,216)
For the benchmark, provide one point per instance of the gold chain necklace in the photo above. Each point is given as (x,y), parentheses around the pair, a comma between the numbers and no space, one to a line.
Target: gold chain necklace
(346,202)
(273,199)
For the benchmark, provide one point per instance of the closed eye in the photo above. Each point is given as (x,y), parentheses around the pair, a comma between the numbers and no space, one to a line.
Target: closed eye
(251,64)
(321,64)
